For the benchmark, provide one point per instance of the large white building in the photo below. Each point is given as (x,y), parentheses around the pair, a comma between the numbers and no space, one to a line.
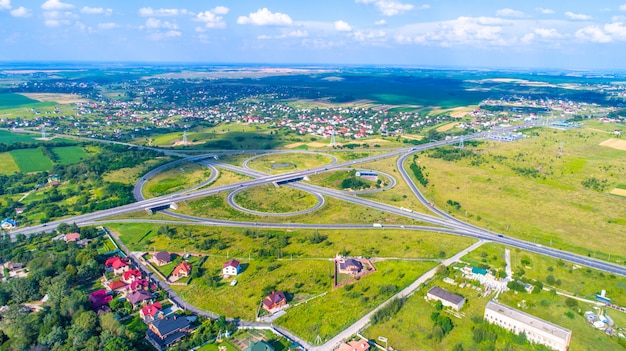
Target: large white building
(537,330)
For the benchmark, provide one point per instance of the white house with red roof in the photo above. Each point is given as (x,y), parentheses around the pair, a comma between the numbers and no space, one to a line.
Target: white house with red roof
(231,267)
(117,265)
(151,312)
(131,275)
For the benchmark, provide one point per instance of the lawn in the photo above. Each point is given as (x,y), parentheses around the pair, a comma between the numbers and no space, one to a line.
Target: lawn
(14,100)
(68,155)
(268,198)
(285,163)
(552,205)
(8,164)
(259,242)
(328,315)
(31,160)
(132,175)
(335,180)
(179,177)
(10,138)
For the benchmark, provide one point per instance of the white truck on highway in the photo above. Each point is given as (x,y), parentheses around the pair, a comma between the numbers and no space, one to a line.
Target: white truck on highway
(377,225)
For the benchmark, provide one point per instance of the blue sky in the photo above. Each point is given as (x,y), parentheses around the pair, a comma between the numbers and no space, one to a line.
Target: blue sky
(491,33)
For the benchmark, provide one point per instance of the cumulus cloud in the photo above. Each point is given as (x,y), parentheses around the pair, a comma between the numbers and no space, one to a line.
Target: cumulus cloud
(164,35)
(509,13)
(577,16)
(371,37)
(293,34)
(21,12)
(342,26)
(544,11)
(380,23)
(623,7)
(211,19)
(5,4)
(107,25)
(58,18)
(150,12)
(594,34)
(220,10)
(53,5)
(154,23)
(617,30)
(548,33)
(265,17)
(391,7)
(96,10)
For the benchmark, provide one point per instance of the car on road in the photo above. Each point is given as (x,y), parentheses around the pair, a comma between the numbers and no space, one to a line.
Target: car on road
(500,236)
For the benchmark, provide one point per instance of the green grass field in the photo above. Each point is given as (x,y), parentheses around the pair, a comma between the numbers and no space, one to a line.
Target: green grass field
(272,164)
(8,164)
(328,315)
(268,198)
(15,100)
(411,327)
(179,177)
(69,154)
(527,190)
(31,160)
(10,138)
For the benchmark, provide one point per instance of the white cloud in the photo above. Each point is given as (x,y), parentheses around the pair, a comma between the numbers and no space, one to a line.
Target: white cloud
(380,23)
(108,25)
(593,34)
(623,7)
(371,37)
(392,8)
(264,17)
(150,12)
(210,19)
(544,11)
(164,35)
(21,12)
(58,18)
(52,5)
(577,16)
(154,23)
(293,34)
(548,33)
(220,10)
(342,26)
(509,13)
(617,30)
(96,11)
(5,4)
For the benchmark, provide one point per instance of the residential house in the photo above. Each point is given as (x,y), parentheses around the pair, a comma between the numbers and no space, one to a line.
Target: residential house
(447,298)
(8,224)
(99,298)
(117,265)
(163,333)
(182,270)
(131,275)
(536,330)
(138,284)
(231,268)
(360,345)
(259,346)
(275,301)
(116,285)
(139,297)
(161,258)
(72,237)
(150,313)
(350,266)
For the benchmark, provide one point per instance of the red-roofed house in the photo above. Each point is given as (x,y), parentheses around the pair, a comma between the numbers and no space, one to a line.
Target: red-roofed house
(182,270)
(72,237)
(231,268)
(138,284)
(131,275)
(151,312)
(360,345)
(117,264)
(274,301)
(99,298)
(116,285)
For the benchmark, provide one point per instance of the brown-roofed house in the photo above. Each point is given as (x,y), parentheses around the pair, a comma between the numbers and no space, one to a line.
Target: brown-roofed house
(350,266)
(161,258)
(447,298)
(360,345)
(139,297)
(116,285)
(72,237)
(274,301)
(231,268)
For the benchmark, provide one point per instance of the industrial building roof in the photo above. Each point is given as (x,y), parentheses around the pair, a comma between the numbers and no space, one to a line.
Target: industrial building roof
(528,319)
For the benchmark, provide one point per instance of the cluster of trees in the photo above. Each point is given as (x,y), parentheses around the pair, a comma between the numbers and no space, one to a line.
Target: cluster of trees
(388,311)
(5,147)
(452,154)
(443,324)
(60,271)
(595,184)
(417,172)
(354,183)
